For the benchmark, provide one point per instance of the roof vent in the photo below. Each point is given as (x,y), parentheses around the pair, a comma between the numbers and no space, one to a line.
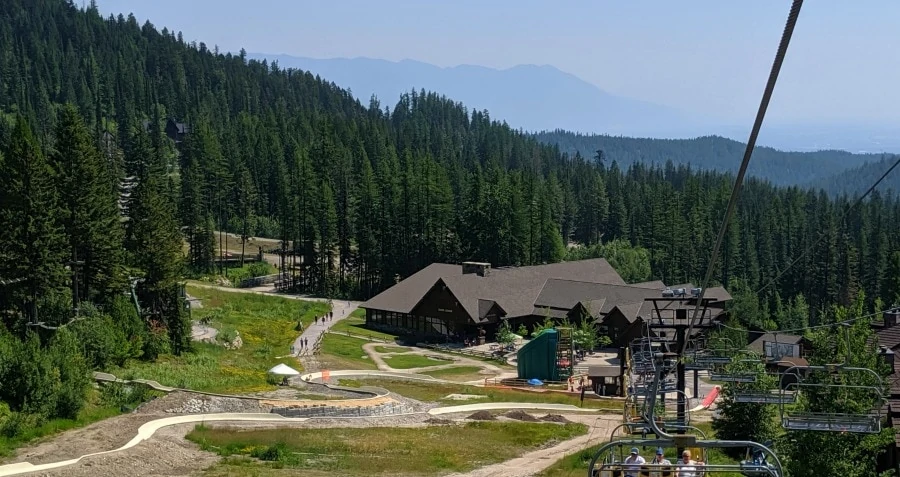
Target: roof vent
(482,269)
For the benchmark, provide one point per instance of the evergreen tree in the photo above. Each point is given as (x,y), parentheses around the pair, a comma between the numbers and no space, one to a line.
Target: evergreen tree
(90,213)
(34,248)
(746,421)
(155,245)
(859,452)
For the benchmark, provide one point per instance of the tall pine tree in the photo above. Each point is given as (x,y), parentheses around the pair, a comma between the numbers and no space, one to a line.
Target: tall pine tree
(34,249)
(89,209)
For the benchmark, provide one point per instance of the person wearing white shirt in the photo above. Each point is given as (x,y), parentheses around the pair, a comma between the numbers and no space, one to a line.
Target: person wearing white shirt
(633,463)
(688,467)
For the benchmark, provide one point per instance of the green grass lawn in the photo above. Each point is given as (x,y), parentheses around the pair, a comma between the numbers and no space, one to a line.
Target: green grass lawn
(267,327)
(392,349)
(458,373)
(427,451)
(434,392)
(345,352)
(409,361)
(356,324)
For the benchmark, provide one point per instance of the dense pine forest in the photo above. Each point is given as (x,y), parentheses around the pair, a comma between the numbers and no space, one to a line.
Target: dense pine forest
(368,194)
(124,147)
(820,169)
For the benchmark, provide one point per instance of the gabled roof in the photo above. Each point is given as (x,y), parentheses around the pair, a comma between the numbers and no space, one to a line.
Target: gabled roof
(630,310)
(553,288)
(485,307)
(404,296)
(565,294)
(515,288)
(758,344)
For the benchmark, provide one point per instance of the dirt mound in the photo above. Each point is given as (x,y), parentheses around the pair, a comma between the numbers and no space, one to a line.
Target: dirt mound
(437,421)
(521,416)
(555,418)
(482,416)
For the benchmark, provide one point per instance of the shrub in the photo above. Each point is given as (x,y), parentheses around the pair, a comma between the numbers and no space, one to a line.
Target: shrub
(17,423)
(73,373)
(103,343)
(277,452)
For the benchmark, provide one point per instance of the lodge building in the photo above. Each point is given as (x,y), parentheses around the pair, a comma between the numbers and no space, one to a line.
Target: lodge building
(447,302)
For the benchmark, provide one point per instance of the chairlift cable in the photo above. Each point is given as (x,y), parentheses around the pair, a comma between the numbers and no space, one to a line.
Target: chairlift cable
(748,152)
(823,233)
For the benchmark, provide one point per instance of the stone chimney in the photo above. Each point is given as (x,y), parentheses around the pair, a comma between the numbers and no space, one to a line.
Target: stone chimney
(891,317)
(480,268)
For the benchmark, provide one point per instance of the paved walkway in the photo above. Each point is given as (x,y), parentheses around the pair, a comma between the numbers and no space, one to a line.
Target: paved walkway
(145,432)
(313,332)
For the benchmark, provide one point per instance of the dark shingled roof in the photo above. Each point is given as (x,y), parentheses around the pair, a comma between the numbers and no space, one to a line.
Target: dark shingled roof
(404,296)
(758,346)
(522,291)
(515,288)
(889,337)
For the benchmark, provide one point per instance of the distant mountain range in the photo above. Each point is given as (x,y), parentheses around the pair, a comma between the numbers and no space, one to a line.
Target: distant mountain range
(529,97)
(539,98)
(543,98)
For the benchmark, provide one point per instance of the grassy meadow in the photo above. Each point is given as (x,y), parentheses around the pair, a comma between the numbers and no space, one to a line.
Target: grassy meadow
(267,327)
(427,451)
(344,352)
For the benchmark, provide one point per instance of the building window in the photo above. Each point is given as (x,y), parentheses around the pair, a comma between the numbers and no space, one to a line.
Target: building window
(778,350)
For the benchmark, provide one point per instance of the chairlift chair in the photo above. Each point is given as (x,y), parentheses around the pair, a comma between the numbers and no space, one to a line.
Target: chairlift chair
(868,422)
(742,374)
(763,396)
(744,394)
(609,460)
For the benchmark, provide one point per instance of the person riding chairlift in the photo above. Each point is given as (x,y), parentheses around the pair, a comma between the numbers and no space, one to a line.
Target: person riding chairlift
(688,467)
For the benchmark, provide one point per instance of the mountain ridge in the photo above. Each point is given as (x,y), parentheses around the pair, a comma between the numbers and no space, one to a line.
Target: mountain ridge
(717,153)
(528,96)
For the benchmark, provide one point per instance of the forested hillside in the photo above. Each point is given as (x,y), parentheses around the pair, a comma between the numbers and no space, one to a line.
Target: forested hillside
(370,194)
(712,153)
(855,181)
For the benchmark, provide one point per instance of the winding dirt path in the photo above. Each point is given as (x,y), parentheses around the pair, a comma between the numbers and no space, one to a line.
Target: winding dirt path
(313,333)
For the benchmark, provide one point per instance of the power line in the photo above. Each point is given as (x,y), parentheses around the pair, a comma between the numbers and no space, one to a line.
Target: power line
(748,152)
(823,233)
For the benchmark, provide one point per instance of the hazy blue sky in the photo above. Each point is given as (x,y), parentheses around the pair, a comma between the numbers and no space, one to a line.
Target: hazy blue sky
(708,56)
